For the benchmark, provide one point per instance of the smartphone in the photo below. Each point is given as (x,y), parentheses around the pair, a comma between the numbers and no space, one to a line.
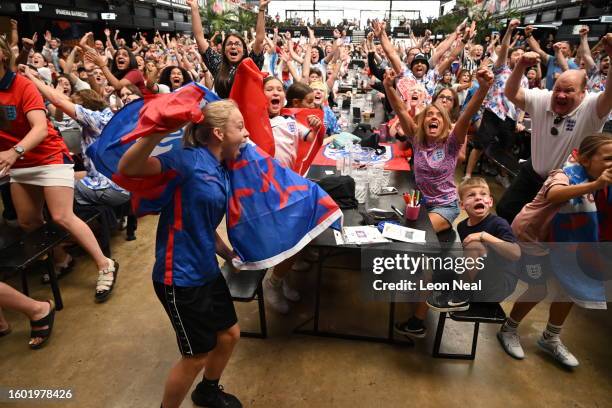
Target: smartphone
(388,191)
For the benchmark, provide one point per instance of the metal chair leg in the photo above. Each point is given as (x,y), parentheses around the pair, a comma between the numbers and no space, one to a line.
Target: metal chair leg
(57,296)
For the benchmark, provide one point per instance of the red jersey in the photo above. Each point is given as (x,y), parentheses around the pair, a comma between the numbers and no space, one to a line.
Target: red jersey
(20,98)
(137,79)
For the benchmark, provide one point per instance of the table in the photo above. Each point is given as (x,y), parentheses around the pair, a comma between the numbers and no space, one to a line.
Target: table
(326,244)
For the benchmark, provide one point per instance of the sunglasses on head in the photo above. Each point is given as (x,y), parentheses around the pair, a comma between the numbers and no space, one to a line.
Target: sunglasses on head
(553,130)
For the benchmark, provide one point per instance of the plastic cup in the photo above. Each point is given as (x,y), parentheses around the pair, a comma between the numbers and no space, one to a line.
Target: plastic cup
(412,213)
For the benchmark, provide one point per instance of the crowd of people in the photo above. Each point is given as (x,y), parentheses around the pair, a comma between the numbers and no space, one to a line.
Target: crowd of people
(439,97)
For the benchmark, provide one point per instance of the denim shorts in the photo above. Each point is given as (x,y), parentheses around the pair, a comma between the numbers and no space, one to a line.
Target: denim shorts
(447,211)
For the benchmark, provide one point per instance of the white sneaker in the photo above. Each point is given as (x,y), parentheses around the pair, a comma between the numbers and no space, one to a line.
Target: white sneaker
(290,293)
(504,181)
(511,343)
(555,348)
(275,298)
(300,266)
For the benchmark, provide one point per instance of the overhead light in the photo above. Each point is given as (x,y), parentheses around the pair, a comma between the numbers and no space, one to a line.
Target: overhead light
(108,16)
(589,20)
(606,19)
(30,7)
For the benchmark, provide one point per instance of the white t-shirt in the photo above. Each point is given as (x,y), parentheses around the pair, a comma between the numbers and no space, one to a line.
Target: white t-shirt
(549,152)
(286,133)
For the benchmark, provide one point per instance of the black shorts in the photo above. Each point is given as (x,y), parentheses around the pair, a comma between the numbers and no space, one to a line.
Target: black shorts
(198,313)
(494,130)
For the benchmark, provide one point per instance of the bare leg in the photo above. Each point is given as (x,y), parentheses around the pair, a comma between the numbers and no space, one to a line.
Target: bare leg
(181,378)
(559,312)
(220,355)
(282,269)
(527,301)
(29,201)
(60,203)
(438,222)
(472,160)
(15,300)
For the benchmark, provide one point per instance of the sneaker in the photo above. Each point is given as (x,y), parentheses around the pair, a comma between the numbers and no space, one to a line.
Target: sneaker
(300,266)
(275,298)
(555,348)
(106,281)
(511,343)
(289,293)
(460,298)
(205,395)
(411,328)
(439,301)
(503,180)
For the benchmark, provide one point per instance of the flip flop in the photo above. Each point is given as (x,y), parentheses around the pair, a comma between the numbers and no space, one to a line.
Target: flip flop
(43,333)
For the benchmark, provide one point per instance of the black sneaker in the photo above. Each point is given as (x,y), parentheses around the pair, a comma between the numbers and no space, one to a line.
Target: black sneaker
(439,301)
(460,298)
(411,328)
(211,396)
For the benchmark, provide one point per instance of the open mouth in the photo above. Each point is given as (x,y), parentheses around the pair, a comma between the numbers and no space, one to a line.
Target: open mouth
(479,206)
(433,126)
(176,81)
(275,103)
(233,54)
(415,97)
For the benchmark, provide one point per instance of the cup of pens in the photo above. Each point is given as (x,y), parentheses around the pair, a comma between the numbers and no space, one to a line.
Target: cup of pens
(413,205)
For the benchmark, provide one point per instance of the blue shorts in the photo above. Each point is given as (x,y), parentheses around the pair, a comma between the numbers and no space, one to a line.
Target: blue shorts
(447,211)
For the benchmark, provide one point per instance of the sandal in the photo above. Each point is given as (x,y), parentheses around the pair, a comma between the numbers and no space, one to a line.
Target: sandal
(43,333)
(60,270)
(106,281)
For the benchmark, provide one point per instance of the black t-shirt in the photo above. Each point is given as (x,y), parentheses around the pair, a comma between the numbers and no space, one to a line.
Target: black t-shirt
(492,224)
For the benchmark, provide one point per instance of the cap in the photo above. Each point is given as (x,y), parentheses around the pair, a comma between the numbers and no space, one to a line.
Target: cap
(420,58)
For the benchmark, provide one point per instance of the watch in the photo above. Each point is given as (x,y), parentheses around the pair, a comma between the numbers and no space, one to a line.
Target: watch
(19,150)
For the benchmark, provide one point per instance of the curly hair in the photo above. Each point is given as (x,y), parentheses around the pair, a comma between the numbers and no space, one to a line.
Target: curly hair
(164,77)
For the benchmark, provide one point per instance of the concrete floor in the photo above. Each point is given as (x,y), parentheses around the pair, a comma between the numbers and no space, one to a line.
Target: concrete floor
(117,354)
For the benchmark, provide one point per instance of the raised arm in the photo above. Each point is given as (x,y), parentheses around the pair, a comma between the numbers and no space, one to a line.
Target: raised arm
(513,90)
(196,25)
(95,58)
(260,28)
(406,121)
(14,34)
(54,96)
(446,64)
(505,44)
(394,59)
(561,60)
(485,80)
(535,45)
(604,101)
(584,52)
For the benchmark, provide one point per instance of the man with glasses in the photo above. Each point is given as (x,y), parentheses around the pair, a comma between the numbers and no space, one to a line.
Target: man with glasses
(560,119)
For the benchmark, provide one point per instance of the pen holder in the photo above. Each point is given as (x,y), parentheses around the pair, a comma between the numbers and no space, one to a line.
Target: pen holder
(412,213)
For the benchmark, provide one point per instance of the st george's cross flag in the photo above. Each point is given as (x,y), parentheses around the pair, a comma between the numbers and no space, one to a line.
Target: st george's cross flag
(266,200)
